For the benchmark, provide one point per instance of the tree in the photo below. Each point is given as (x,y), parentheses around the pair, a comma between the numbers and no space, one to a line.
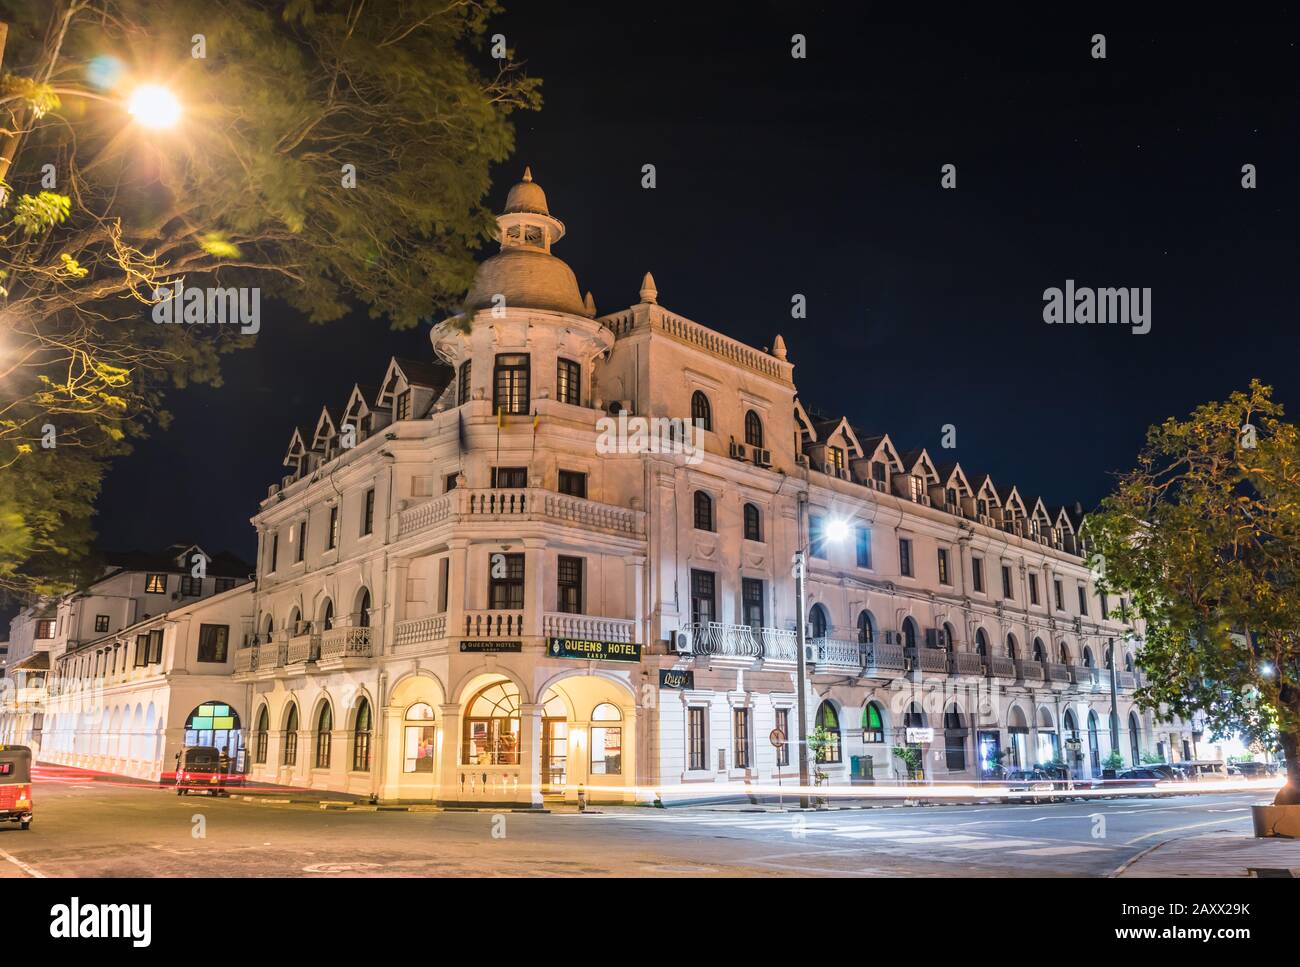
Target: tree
(1204,536)
(328,154)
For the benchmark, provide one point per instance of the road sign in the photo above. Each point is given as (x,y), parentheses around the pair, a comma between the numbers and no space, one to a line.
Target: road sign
(919,736)
(776,737)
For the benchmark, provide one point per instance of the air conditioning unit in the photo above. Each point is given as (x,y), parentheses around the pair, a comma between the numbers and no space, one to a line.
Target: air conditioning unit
(682,641)
(801,460)
(737,450)
(762,458)
(923,500)
(893,637)
(936,638)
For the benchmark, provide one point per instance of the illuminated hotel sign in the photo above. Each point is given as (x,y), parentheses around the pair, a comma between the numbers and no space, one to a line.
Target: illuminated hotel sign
(593,650)
(491,646)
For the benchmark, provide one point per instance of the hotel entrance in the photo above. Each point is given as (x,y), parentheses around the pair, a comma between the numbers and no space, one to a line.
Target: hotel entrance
(555,755)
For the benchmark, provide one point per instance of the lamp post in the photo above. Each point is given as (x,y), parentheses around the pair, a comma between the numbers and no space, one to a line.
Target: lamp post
(834,532)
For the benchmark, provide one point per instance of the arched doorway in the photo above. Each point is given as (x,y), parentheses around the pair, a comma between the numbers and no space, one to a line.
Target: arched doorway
(215,724)
(1048,746)
(1018,738)
(910,634)
(818,622)
(1134,745)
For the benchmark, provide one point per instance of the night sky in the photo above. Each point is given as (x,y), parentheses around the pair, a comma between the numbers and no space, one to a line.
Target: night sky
(821,176)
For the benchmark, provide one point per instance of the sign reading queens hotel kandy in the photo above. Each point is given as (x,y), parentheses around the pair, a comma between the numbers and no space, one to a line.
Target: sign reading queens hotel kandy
(593,650)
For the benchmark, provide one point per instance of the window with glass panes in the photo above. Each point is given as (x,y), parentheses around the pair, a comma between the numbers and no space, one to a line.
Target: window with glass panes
(743,750)
(701,411)
(1006,582)
(753,429)
(510,384)
(573,483)
(361,739)
(569,590)
(943,566)
(703,511)
(507,590)
(905,557)
(462,384)
(751,594)
(864,546)
(334,528)
(873,728)
(301,551)
(783,723)
(510,478)
(835,461)
(753,523)
(157,583)
(703,596)
(1060,595)
(695,739)
(1083,600)
(404,406)
(214,641)
(567,382)
(1033,588)
(817,536)
(101,622)
(368,513)
(977,573)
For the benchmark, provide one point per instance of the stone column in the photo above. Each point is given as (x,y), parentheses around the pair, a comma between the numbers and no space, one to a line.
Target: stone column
(534,584)
(449,753)
(457,584)
(530,755)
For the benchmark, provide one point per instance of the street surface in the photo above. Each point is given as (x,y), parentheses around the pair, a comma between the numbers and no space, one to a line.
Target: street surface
(86,827)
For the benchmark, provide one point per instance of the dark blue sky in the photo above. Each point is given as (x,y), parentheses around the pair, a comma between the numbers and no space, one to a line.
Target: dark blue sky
(821,176)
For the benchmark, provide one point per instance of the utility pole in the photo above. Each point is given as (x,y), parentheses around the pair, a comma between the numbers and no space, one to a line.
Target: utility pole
(1114,699)
(801,666)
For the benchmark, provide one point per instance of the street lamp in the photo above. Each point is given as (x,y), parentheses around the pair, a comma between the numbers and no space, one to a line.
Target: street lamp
(835,530)
(154,106)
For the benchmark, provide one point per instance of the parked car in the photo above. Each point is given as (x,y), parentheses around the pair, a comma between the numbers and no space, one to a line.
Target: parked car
(1252,770)
(1034,781)
(1139,776)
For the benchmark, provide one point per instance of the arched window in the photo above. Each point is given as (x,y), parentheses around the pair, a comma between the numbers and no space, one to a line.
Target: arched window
(866,628)
(291,736)
(295,619)
(818,622)
(981,642)
(606,741)
(914,717)
(268,629)
(703,511)
(324,735)
(263,727)
(909,632)
(1011,646)
(1040,653)
(361,738)
(363,609)
(327,616)
(1134,746)
(753,429)
(873,726)
(753,524)
(701,411)
(829,723)
(1128,663)
(215,724)
(1094,750)
(954,739)
(949,636)
(491,734)
(1087,657)
(418,747)
(1065,653)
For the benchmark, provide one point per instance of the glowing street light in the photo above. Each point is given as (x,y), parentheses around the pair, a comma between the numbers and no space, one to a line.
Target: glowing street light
(154,106)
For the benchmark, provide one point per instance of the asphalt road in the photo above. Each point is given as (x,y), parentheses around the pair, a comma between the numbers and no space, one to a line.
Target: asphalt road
(89,828)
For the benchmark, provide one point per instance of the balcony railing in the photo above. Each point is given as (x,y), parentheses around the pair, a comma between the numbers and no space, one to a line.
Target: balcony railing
(270,656)
(245,661)
(967,663)
(301,649)
(884,659)
(1001,667)
(414,630)
(350,642)
(742,641)
(1127,680)
(519,504)
(837,653)
(933,660)
(1081,675)
(586,626)
(1058,673)
(1030,671)
(494,624)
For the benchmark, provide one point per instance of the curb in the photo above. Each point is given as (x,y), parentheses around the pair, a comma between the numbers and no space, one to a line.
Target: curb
(1120,870)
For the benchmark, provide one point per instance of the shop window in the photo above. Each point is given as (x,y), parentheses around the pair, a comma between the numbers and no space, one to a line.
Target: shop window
(491,734)
(418,747)
(873,728)
(606,741)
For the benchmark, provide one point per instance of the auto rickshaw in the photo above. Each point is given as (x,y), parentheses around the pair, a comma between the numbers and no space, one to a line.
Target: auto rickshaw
(199,769)
(16,785)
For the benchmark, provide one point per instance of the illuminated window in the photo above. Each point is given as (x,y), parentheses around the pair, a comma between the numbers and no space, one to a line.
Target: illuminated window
(101,622)
(567,382)
(45,628)
(491,735)
(259,741)
(606,741)
(873,728)
(215,724)
(361,739)
(828,722)
(418,747)
(157,583)
(701,411)
(462,384)
(214,640)
(753,429)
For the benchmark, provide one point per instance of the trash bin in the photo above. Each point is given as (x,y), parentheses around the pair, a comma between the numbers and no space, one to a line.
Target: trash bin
(862,768)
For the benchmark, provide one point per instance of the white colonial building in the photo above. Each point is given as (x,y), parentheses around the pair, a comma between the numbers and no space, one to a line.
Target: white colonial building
(113,676)
(474,585)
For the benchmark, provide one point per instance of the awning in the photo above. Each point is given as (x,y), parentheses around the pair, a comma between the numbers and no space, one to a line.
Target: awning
(37,661)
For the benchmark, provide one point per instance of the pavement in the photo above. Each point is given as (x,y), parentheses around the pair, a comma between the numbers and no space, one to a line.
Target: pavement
(88,825)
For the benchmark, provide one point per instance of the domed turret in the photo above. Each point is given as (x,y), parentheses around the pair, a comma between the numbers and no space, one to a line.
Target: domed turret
(524,274)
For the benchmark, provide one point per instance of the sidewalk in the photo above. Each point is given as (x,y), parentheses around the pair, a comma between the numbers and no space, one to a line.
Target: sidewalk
(1218,855)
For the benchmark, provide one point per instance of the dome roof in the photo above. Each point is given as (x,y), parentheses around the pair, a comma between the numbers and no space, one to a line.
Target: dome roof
(529,279)
(527,196)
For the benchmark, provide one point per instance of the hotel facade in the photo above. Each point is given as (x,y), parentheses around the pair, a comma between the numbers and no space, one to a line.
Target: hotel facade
(555,559)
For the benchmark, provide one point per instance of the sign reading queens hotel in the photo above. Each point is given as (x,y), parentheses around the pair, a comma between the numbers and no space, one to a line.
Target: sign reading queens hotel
(463,595)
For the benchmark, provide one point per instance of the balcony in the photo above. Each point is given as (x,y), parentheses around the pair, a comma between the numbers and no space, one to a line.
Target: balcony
(245,661)
(1127,681)
(933,660)
(524,504)
(1000,667)
(588,627)
(884,661)
(302,649)
(494,624)
(1081,675)
(1058,674)
(416,630)
(966,663)
(270,656)
(720,640)
(345,647)
(1029,671)
(837,653)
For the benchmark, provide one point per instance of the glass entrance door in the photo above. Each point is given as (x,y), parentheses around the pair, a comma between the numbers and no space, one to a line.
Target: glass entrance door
(555,754)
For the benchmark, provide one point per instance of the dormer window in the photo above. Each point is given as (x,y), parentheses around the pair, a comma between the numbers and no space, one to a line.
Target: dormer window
(878,471)
(402,408)
(835,461)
